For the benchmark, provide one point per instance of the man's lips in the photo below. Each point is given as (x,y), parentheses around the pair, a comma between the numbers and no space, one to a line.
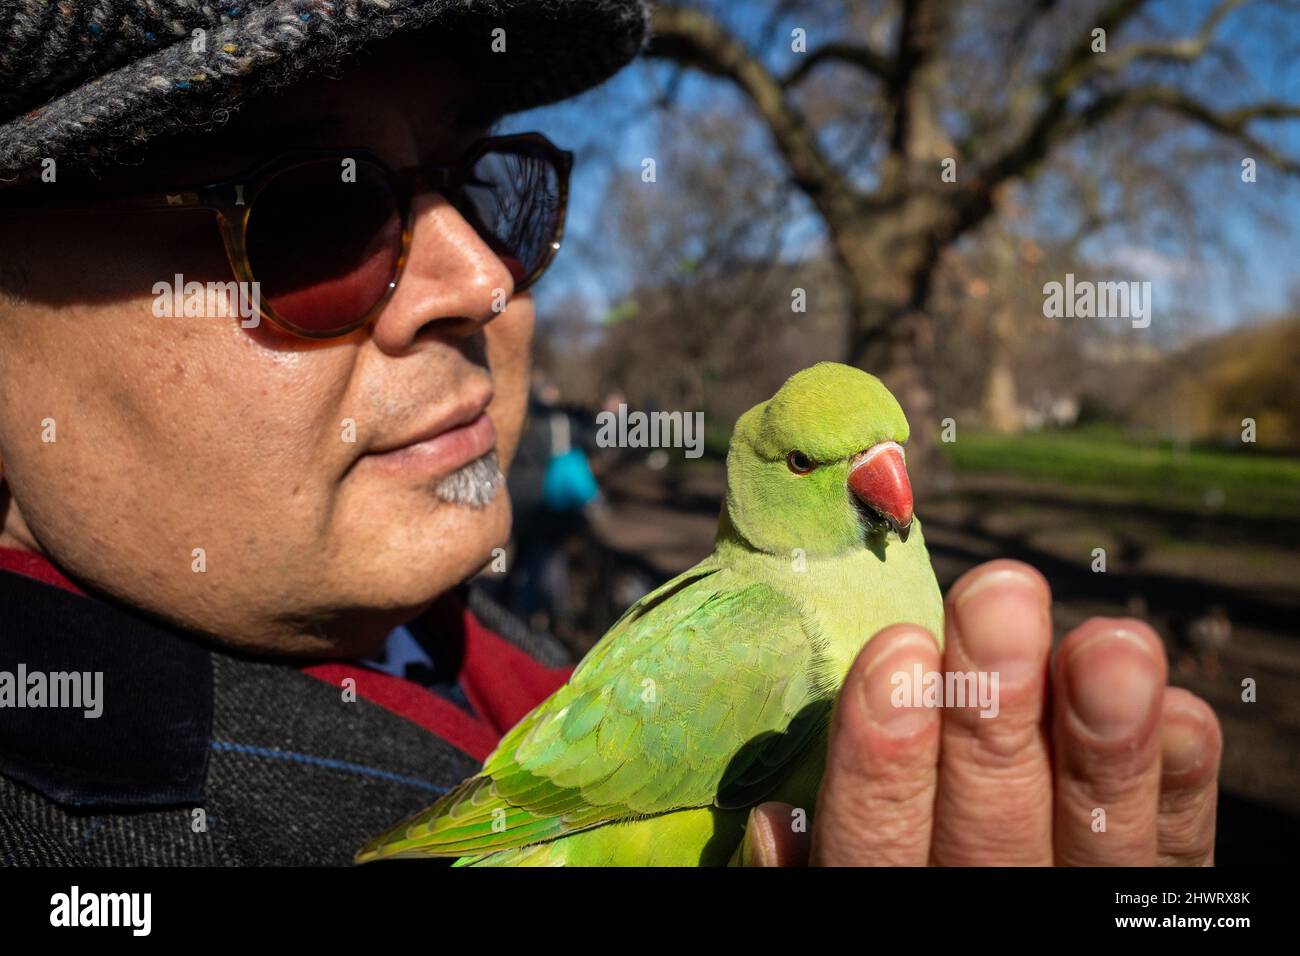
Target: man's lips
(451,443)
(462,413)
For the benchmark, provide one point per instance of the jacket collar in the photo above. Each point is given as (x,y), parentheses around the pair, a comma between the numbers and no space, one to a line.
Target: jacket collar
(149,745)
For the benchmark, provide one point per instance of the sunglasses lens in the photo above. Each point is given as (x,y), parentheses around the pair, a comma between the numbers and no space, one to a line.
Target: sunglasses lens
(514,200)
(324,239)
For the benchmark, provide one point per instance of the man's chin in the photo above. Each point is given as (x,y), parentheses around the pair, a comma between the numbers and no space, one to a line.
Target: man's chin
(427,555)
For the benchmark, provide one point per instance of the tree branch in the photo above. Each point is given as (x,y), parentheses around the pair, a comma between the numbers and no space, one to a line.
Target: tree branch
(1184,50)
(1056,122)
(866,59)
(1079,61)
(695,39)
(976,201)
(1038,138)
(1233,123)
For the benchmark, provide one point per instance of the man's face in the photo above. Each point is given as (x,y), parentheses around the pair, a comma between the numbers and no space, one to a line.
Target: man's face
(179,434)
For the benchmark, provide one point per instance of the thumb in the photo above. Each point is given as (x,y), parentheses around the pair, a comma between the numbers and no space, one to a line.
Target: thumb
(876,799)
(772,839)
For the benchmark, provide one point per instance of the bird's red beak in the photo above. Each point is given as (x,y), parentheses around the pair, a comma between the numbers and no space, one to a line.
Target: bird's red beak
(878,477)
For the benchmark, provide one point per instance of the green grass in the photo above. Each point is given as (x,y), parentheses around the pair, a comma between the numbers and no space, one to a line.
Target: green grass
(1110,463)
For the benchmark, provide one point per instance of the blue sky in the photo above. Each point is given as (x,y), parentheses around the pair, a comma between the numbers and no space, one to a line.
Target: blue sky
(1255,277)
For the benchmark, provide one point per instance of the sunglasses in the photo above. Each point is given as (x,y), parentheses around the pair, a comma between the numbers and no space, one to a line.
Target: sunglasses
(325,234)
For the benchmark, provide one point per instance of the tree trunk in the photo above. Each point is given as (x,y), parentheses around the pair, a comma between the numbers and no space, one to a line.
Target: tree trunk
(1001,408)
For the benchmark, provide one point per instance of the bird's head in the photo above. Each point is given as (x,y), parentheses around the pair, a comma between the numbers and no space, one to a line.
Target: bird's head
(820,466)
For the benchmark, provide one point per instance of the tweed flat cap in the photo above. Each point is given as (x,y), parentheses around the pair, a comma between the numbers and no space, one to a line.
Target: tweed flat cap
(82,79)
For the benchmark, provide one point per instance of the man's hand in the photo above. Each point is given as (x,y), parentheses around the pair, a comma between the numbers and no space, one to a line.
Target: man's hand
(1089,735)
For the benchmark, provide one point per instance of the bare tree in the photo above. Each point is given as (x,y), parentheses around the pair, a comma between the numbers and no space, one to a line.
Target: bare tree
(888,230)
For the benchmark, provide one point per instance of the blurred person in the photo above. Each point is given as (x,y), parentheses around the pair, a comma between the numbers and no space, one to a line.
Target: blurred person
(551,487)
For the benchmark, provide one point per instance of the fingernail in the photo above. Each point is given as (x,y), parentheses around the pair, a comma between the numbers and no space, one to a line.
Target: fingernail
(1182,742)
(1112,682)
(1003,625)
(889,686)
(758,840)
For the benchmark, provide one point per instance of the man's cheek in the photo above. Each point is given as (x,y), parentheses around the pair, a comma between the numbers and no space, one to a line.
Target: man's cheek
(509,349)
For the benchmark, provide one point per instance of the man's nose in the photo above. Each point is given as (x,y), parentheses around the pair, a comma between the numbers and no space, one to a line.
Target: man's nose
(453,283)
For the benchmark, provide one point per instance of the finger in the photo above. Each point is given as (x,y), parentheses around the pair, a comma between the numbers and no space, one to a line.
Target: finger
(1108,683)
(774,836)
(877,795)
(994,802)
(1191,745)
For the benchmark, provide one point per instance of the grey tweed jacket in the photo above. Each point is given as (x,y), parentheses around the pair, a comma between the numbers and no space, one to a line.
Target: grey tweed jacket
(199,757)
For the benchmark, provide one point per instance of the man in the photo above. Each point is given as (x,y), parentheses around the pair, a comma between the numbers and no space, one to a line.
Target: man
(251,518)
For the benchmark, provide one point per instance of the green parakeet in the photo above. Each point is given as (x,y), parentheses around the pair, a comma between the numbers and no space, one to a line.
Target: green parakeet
(714,692)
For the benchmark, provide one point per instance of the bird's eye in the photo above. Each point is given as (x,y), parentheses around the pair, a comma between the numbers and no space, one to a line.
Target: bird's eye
(799,463)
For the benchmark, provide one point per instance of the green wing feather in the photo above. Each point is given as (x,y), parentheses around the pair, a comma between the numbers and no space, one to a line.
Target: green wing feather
(700,695)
